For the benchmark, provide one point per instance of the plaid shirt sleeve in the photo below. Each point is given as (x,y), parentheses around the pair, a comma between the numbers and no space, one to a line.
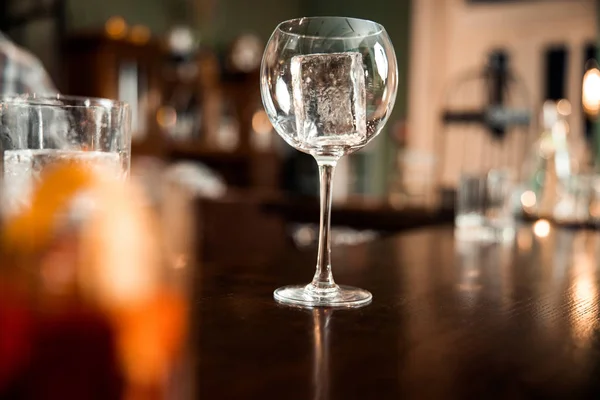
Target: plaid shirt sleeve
(21,72)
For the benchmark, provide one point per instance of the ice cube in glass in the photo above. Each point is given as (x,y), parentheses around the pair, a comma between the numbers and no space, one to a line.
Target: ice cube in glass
(329,99)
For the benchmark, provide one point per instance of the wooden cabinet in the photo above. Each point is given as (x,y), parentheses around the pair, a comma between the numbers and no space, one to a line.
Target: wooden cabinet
(142,75)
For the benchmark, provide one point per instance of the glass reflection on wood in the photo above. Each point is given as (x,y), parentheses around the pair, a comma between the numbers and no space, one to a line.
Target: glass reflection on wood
(321,320)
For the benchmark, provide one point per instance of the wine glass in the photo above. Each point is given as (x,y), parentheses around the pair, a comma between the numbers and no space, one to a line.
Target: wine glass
(328,85)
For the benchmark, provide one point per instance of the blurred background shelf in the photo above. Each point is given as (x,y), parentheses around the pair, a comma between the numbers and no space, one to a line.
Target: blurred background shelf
(194,150)
(259,170)
(358,213)
(190,70)
(187,105)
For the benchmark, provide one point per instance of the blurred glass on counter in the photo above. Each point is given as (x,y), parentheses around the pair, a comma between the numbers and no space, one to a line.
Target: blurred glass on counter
(595,202)
(559,179)
(483,206)
(413,180)
(574,196)
(95,289)
(469,205)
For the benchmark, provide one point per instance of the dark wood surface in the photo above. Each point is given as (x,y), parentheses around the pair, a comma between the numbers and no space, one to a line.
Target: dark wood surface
(448,320)
(359,213)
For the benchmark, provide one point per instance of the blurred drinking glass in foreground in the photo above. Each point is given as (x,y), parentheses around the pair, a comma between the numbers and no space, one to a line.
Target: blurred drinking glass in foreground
(37,132)
(91,303)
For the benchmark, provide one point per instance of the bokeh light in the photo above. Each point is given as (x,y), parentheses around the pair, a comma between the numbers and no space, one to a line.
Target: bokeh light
(591,92)
(166,117)
(261,123)
(116,27)
(541,228)
(528,199)
(139,34)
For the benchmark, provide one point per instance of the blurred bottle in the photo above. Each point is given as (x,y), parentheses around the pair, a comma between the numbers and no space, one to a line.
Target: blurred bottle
(558,183)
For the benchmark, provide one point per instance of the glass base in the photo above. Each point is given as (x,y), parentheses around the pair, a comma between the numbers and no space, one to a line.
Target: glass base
(306,296)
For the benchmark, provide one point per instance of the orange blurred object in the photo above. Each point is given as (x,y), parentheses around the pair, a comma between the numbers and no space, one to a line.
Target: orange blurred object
(139,34)
(35,225)
(99,279)
(116,27)
(150,336)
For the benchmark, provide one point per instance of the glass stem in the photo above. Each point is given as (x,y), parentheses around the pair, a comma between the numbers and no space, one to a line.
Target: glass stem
(323,280)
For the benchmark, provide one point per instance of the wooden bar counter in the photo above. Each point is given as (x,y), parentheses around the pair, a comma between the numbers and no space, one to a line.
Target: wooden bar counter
(449,320)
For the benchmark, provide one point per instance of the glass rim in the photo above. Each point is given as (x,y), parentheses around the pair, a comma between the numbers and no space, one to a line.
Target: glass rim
(66,101)
(380,29)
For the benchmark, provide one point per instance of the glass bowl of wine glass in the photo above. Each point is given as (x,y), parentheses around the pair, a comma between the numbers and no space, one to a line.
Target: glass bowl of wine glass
(328,85)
